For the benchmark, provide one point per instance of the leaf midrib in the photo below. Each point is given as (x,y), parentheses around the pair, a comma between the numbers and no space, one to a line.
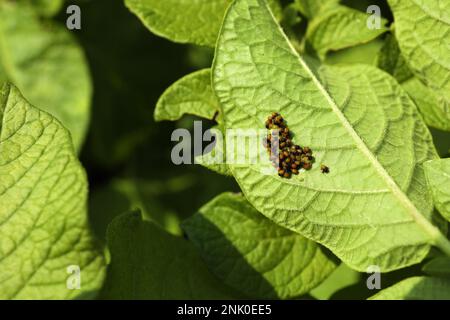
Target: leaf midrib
(436,237)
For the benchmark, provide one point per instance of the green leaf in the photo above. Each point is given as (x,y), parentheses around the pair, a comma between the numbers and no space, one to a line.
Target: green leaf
(311,8)
(149,263)
(373,207)
(182,20)
(277,10)
(420,27)
(339,27)
(416,288)
(439,267)
(364,53)
(215,159)
(43,218)
(341,278)
(194,95)
(191,94)
(434,110)
(44,61)
(46,8)
(185,21)
(438,178)
(252,254)
(390,59)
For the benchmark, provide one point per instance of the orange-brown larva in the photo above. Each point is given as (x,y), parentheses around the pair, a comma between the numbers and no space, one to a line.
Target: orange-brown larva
(291,157)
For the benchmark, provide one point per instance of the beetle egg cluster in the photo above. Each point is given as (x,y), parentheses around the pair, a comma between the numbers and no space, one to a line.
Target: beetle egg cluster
(287,157)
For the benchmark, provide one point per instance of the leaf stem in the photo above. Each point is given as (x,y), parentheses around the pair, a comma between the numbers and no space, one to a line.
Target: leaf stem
(442,243)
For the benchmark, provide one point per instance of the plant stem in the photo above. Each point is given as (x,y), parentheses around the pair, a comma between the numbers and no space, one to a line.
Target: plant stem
(443,243)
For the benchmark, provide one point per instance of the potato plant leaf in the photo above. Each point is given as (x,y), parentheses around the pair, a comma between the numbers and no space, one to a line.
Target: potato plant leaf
(390,59)
(43,218)
(194,95)
(252,254)
(373,207)
(435,110)
(185,21)
(149,263)
(191,94)
(311,8)
(339,27)
(45,62)
(422,28)
(416,288)
(365,53)
(182,21)
(438,178)
(215,159)
(439,267)
(341,278)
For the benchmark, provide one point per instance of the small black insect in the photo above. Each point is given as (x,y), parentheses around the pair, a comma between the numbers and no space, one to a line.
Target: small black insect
(324,168)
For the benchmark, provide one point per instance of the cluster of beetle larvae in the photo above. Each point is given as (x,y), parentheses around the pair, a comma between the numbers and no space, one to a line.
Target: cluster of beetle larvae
(287,157)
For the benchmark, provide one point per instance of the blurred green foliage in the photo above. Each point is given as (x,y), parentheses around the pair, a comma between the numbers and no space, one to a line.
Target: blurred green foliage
(126,154)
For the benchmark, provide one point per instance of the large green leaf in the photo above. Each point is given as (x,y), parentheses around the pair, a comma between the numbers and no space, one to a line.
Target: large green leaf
(252,254)
(373,207)
(185,21)
(191,94)
(422,28)
(44,61)
(149,263)
(182,21)
(43,191)
(438,178)
(434,110)
(339,27)
(416,288)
